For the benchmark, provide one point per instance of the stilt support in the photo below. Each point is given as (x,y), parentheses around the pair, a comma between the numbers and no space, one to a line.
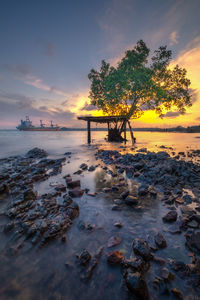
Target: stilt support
(89,132)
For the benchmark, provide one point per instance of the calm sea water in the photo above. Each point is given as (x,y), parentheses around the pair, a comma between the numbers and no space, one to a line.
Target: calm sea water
(14,142)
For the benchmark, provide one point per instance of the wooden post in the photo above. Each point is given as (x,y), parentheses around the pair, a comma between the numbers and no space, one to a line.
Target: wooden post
(125,131)
(132,137)
(89,132)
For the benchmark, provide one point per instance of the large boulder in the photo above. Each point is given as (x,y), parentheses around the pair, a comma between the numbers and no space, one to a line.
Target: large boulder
(141,248)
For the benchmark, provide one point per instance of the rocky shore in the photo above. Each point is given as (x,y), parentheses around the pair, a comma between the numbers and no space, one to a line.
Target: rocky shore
(173,181)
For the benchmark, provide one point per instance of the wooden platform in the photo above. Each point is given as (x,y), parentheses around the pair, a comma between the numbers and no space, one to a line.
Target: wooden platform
(107,120)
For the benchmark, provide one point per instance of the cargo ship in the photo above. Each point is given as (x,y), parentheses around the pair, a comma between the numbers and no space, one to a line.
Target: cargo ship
(27,125)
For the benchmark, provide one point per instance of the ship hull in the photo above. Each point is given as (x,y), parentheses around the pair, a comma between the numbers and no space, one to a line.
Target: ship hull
(38,129)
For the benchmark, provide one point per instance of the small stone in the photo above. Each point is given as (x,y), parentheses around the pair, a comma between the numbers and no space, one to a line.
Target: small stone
(92,194)
(77,192)
(177,293)
(193,224)
(60,188)
(131,200)
(171,216)
(137,285)
(84,257)
(141,248)
(118,224)
(114,258)
(124,194)
(113,241)
(116,207)
(91,168)
(107,190)
(73,184)
(160,241)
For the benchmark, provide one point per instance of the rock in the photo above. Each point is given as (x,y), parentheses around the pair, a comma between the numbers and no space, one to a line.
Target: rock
(91,168)
(159,260)
(136,264)
(193,241)
(68,178)
(118,201)
(68,153)
(196,218)
(171,216)
(193,224)
(78,172)
(141,248)
(166,274)
(73,184)
(160,241)
(115,188)
(131,200)
(177,293)
(118,224)
(4,189)
(137,285)
(77,192)
(113,241)
(83,166)
(114,258)
(187,210)
(116,207)
(60,188)
(36,153)
(84,257)
(143,190)
(124,194)
(81,225)
(92,194)
(107,190)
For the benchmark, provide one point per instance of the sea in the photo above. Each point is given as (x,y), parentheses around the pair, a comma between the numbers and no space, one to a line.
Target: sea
(13,142)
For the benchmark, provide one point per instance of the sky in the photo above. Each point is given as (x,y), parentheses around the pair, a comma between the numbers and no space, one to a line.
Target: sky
(48,47)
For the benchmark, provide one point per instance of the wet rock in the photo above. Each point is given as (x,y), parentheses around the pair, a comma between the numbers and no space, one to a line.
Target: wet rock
(83,166)
(135,264)
(92,194)
(36,153)
(116,207)
(113,241)
(131,200)
(90,227)
(158,260)
(137,285)
(193,241)
(60,188)
(68,153)
(4,189)
(171,216)
(177,293)
(114,258)
(115,188)
(187,210)
(160,240)
(166,274)
(118,201)
(124,194)
(81,225)
(196,218)
(91,168)
(84,257)
(193,224)
(67,200)
(74,184)
(107,190)
(78,172)
(143,190)
(118,224)
(141,248)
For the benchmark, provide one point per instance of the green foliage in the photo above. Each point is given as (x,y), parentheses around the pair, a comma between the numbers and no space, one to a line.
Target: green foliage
(138,83)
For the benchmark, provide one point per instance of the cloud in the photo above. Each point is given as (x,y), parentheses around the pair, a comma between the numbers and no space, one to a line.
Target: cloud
(50,49)
(88,107)
(174,38)
(13,107)
(171,114)
(19,69)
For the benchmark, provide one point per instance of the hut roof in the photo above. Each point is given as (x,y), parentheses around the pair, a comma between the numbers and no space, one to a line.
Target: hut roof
(102,119)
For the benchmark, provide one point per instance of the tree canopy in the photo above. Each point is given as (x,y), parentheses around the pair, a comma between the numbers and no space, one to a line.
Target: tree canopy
(139,83)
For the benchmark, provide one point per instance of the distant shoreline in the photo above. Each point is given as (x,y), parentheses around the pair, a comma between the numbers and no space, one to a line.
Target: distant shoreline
(192,129)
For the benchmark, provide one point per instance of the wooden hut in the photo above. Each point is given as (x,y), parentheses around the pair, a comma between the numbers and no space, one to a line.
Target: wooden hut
(109,120)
